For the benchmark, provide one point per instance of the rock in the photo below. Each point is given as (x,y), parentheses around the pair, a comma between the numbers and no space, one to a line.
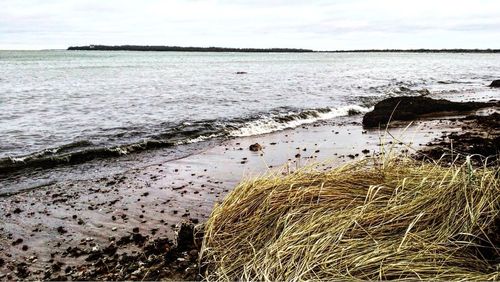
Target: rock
(495,83)
(22,270)
(138,239)
(255,147)
(474,146)
(410,108)
(17,242)
(424,92)
(353,112)
(61,230)
(184,238)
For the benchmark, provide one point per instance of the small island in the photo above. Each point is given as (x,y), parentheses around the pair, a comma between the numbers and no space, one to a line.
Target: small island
(265,50)
(186,49)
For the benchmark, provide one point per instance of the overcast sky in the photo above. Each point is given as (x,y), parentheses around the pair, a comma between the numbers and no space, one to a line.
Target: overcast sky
(314,24)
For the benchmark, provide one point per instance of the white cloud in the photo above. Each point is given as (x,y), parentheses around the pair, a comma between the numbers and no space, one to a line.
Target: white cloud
(341,24)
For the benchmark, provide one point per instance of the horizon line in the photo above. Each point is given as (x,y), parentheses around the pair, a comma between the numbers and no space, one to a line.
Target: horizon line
(173,48)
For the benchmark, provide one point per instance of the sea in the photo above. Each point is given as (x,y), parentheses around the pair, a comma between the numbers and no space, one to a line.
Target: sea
(59,107)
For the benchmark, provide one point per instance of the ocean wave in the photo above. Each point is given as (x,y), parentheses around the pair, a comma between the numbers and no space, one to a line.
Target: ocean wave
(187,132)
(291,120)
(48,158)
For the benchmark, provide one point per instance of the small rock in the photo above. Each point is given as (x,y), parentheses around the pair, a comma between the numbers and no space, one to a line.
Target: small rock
(185,237)
(17,242)
(255,147)
(61,230)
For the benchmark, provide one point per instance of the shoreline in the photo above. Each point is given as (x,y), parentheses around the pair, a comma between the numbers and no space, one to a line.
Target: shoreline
(70,228)
(158,48)
(152,200)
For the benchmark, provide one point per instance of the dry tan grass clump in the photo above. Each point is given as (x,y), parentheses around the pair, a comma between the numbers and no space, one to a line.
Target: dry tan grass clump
(399,219)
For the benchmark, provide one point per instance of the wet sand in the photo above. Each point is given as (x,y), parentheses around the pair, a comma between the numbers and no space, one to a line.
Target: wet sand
(39,225)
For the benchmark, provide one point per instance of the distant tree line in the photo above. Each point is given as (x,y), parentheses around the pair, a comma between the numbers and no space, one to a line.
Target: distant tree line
(269,50)
(417,51)
(186,49)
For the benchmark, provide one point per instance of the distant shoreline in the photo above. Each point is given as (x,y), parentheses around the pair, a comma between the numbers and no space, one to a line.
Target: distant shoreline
(185,49)
(264,50)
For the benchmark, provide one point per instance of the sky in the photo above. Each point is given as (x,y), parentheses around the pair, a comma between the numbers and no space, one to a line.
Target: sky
(312,24)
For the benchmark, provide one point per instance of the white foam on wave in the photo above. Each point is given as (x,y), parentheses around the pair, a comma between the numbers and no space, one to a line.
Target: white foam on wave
(199,139)
(271,124)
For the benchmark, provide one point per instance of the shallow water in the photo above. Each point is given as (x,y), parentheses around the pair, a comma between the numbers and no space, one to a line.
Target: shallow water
(90,99)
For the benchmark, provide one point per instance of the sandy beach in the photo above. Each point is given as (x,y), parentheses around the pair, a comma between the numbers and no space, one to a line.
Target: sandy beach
(249,140)
(49,232)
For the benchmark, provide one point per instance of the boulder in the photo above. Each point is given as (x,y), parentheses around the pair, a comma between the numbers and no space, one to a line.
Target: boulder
(410,108)
(495,83)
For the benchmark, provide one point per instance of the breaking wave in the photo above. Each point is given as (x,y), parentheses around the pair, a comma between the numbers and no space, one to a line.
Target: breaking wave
(291,120)
(177,134)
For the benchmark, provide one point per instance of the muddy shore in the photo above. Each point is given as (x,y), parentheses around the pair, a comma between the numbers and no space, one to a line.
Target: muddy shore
(122,226)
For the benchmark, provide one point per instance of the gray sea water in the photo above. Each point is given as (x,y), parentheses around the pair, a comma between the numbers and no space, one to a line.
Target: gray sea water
(55,102)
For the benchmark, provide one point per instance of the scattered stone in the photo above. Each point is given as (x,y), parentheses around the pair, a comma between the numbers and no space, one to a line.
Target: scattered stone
(61,230)
(255,147)
(22,270)
(17,242)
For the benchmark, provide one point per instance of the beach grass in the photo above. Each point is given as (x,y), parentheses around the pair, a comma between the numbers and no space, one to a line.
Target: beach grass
(375,219)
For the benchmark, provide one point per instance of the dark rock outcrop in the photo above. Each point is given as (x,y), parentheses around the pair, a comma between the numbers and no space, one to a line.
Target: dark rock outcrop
(472,142)
(410,108)
(495,83)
